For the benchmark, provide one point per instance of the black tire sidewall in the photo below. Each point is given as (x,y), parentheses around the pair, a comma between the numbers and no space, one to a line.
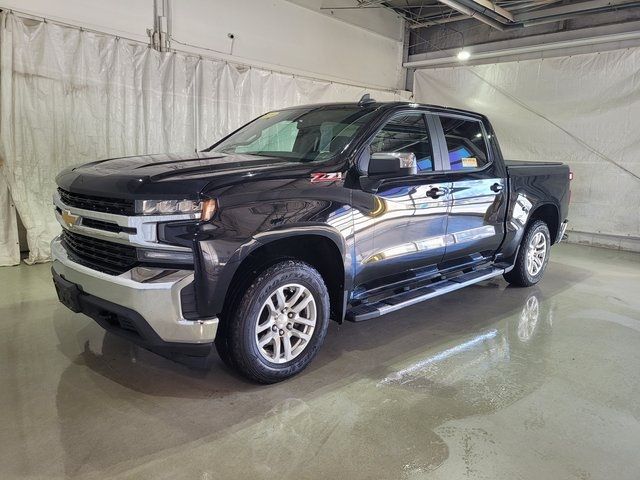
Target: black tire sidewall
(241,331)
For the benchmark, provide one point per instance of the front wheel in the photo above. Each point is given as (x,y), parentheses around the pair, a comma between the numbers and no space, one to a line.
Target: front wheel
(533,256)
(279,324)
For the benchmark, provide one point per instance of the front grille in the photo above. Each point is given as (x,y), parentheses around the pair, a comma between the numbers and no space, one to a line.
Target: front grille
(109,257)
(98,204)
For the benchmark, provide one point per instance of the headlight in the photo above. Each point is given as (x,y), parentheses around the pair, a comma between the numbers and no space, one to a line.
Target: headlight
(176,207)
(168,207)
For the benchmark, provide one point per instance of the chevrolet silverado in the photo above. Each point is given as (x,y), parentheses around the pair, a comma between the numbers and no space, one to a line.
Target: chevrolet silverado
(335,211)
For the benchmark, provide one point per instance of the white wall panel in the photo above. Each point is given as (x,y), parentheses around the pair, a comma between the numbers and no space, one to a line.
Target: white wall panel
(273,34)
(583,110)
(283,34)
(129,18)
(384,21)
(69,96)
(9,239)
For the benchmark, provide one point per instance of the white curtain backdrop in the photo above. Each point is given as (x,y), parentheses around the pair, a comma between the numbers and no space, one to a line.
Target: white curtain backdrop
(583,110)
(69,96)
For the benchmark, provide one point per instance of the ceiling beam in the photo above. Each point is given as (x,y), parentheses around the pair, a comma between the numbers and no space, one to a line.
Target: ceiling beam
(567,9)
(538,46)
(438,21)
(487,5)
(464,9)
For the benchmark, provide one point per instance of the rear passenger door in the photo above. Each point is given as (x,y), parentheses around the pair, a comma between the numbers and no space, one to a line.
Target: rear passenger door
(475,227)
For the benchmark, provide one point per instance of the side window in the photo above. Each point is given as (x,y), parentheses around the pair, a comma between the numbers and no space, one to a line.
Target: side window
(466,143)
(406,132)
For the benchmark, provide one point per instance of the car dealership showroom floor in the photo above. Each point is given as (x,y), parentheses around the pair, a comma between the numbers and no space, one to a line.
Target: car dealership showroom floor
(492,382)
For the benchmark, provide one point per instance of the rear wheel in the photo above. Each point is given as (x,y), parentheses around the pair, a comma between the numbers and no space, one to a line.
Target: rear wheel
(533,256)
(279,323)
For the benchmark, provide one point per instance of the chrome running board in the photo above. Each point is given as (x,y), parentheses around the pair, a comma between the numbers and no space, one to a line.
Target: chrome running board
(404,299)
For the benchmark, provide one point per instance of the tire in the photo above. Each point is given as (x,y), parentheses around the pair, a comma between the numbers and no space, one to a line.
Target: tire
(522,274)
(289,345)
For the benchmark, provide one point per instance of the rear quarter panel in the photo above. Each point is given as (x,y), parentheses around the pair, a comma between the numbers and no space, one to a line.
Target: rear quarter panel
(532,185)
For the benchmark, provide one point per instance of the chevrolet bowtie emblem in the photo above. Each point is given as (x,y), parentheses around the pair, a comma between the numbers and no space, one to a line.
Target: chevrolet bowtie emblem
(69,218)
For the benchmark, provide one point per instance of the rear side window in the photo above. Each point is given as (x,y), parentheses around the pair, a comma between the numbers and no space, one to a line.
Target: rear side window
(406,132)
(466,143)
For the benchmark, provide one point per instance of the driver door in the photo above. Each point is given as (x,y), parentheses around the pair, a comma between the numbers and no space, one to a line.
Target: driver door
(404,233)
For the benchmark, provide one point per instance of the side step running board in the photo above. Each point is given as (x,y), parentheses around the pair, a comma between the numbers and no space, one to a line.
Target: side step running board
(411,297)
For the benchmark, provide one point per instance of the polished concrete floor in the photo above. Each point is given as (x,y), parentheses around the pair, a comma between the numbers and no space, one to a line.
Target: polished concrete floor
(490,382)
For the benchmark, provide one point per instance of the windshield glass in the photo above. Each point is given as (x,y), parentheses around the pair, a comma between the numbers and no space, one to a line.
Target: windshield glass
(304,135)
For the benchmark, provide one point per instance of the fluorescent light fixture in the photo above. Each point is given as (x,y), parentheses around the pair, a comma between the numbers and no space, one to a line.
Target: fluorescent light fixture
(404,375)
(464,55)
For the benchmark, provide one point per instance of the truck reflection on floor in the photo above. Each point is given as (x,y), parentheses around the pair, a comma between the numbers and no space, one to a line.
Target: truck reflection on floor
(493,365)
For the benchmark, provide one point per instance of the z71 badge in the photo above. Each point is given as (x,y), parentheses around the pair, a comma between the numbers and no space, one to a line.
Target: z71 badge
(326,177)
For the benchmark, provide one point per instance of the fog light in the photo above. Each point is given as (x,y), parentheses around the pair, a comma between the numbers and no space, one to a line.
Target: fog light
(165,256)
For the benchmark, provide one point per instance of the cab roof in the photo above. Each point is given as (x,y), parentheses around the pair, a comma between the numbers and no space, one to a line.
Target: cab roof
(385,106)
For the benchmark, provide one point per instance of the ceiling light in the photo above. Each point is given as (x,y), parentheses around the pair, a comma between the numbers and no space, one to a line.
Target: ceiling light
(464,55)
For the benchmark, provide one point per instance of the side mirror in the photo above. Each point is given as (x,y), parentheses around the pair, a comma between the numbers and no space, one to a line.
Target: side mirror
(393,164)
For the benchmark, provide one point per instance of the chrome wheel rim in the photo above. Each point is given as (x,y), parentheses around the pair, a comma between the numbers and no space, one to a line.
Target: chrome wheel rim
(286,322)
(536,253)
(528,319)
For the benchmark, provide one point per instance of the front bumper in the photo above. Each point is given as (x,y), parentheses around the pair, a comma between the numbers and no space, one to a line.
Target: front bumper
(142,304)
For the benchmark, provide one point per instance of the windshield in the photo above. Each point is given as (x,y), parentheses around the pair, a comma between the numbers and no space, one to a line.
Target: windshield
(304,135)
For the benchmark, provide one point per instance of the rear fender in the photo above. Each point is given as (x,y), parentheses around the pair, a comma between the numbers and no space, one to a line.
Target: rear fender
(521,210)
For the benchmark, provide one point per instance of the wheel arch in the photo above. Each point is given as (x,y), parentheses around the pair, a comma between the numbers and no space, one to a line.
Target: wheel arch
(320,249)
(517,225)
(549,214)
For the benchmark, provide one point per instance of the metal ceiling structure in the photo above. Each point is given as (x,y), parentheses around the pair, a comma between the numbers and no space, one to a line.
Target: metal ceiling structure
(501,15)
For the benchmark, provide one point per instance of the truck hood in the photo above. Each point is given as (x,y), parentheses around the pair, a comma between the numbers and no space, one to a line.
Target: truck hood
(173,175)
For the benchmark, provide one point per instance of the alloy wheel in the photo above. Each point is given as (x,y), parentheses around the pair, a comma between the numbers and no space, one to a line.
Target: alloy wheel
(536,253)
(286,323)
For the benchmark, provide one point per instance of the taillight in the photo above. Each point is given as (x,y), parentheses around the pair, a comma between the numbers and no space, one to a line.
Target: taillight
(570,175)
(570,178)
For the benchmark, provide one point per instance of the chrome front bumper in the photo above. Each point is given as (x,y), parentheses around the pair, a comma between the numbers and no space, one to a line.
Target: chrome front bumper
(157,300)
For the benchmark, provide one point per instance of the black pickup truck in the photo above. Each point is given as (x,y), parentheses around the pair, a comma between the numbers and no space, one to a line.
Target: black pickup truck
(334,211)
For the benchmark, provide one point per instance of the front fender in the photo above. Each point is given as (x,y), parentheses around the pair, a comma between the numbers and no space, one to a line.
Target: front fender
(213,278)
(242,227)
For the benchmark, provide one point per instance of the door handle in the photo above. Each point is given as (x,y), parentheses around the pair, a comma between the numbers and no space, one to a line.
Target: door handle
(436,192)
(496,187)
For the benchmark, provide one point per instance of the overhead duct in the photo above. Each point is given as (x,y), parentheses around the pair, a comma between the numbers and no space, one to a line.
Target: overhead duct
(490,9)
(437,21)
(501,19)
(480,16)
